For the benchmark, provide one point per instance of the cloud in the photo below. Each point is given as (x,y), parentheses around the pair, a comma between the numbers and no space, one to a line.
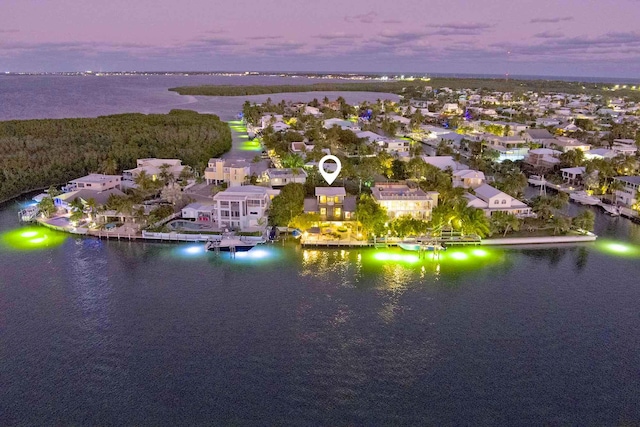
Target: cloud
(460,29)
(337,36)
(548,35)
(265,38)
(9,30)
(366,18)
(394,21)
(551,20)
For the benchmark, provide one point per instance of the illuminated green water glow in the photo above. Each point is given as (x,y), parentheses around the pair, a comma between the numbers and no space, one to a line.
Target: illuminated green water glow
(456,258)
(621,249)
(32,238)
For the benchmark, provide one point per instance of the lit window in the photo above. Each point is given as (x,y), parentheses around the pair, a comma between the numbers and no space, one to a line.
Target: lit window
(323,199)
(336,199)
(323,211)
(337,212)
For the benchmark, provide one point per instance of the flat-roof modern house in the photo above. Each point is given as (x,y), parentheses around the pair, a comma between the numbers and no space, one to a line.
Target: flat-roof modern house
(199,212)
(332,204)
(508,147)
(544,158)
(573,176)
(95,181)
(401,200)
(628,195)
(232,172)
(243,208)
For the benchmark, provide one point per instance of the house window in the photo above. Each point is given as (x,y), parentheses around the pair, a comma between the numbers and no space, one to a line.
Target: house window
(323,211)
(323,199)
(496,202)
(337,212)
(504,202)
(347,215)
(336,199)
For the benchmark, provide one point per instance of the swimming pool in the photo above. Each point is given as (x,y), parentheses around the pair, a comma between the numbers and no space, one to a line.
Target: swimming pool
(188,225)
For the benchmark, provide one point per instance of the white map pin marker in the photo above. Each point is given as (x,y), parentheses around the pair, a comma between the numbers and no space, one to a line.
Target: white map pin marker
(329,176)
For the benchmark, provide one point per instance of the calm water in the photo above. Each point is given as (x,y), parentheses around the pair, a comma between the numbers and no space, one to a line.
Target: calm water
(112,333)
(37,97)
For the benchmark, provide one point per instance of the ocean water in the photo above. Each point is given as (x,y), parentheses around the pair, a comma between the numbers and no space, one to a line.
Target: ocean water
(128,333)
(54,96)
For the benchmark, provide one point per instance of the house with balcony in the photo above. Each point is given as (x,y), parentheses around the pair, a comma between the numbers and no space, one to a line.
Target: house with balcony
(232,172)
(199,212)
(242,208)
(468,178)
(332,204)
(628,194)
(573,176)
(491,200)
(400,200)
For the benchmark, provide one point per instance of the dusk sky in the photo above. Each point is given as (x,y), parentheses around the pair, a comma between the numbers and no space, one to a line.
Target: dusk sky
(541,37)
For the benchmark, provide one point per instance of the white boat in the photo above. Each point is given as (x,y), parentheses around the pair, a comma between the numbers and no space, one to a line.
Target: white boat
(230,244)
(611,210)
(536,180)
(29,214)
(410,246)
(583,198)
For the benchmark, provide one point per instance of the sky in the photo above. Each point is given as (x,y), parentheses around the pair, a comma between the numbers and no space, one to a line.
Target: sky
(595,38)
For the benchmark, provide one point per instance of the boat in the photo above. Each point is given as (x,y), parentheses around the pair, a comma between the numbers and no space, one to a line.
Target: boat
(536,180)
(229,244)
(409,246)
(583,198)
(611,210)
(29,213)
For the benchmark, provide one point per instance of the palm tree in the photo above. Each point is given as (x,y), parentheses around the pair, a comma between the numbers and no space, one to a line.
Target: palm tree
(560,224)
(474,221)
(165,175)
(47,207)
(91,207)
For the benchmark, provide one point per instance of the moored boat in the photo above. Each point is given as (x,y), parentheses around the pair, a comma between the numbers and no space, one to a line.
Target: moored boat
(230,244)
(611,210)
(410,246)
(583,198)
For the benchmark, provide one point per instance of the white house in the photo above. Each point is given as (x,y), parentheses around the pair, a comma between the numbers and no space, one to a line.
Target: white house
(491,200)
(199,212)
(508,147)
(543,157)
(270,119)
(95,181)
(573,175)
(242,208)
(467,178)
(600,153)
(443,162)
(627,196)
(153,167)
(343,124)
(282,177)
(395,146)
(400,200)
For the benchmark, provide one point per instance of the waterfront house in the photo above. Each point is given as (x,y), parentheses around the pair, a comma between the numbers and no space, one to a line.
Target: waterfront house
(538,136)
(573,176)
(64,200)
(343,124)
(491,200)
(232,172)
(270,119)
(566,144)
(400,200)
(467,178)
(628,194)
(332,204)
(243,208)
(624,146)
(443,162)
(153,167)
(600,153)
(95,181)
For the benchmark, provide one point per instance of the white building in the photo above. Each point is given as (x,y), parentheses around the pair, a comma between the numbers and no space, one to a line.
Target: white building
(242,208)
(343,124)
(627,196)
(491,200)
(400,200)
(153,167)
(281,177)
(199,212)
(95,181)
(443,162)
(468,178)
(573,175)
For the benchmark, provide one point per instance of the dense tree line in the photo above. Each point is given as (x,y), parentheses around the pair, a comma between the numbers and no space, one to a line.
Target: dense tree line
(38,153)
(414,88)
